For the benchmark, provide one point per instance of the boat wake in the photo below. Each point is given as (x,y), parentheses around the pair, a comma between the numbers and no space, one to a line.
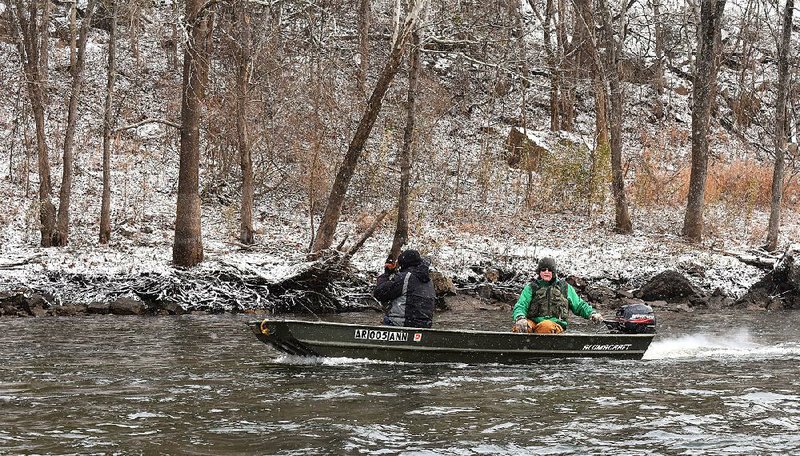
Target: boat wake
(323,361)
(733,344)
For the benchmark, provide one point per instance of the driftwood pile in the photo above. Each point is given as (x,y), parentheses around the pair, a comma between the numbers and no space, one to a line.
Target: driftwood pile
(779,289)
(323,286)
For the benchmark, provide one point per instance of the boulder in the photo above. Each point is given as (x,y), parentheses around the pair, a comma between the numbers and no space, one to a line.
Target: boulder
(504,295)
(600,295)
(484,290)
(670,286)
(664,306)
(69,310)
(525,149)
(97,308)
(442,284)
(13,297)
(127,306)
(625,294)
(718,300)
(492,275)
(170,307)
(37,304)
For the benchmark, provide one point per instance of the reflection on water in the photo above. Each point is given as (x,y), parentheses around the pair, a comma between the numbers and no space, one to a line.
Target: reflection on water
(204,385)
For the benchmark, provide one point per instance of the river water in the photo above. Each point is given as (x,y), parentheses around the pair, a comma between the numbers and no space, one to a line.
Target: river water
(203,384)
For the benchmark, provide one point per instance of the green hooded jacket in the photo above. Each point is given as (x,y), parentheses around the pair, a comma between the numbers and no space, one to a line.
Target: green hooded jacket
(576,305)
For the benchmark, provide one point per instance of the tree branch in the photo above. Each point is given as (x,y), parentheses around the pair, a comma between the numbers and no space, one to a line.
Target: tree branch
(148,121)
(367,234)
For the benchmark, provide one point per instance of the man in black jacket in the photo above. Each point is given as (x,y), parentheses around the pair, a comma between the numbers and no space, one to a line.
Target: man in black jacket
(409,293)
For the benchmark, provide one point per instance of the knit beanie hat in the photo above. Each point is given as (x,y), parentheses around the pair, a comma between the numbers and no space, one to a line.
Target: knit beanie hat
(408,258)
(546,263)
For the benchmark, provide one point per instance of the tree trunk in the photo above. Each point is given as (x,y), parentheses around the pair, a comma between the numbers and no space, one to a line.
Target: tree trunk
(47,210)
(401,231)
(780,128)
(73,13)
(333,208)
(551,60)
(600,152)
(173,50)
(363,44)
(105,206)
(567,95)
(32,37)
(243,62)
(135,14)
(704,92)
(187,249)
(581,62)
(622,219)
(658,79)
(61,235)
(552,63)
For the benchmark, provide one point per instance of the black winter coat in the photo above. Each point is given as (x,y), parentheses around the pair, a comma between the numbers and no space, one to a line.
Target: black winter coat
(412,307)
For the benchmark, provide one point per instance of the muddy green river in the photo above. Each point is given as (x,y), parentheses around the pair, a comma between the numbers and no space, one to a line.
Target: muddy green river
(203,384)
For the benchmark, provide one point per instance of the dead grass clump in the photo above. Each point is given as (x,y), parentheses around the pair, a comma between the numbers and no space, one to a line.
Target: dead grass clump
(741,183)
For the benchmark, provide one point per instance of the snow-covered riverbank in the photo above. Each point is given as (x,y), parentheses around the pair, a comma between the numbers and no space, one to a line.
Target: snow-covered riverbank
(138,262)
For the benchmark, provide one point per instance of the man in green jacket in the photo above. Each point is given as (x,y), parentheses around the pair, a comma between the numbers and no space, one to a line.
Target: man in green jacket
(545,303)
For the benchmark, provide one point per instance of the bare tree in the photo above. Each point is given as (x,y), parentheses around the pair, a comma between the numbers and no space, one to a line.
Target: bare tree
(553,66)
(565,105)
(105,206)
(780,127)
(703,93)
(243,53)
(401,230)
(61,235)
(658,79)
(363,44)
(29,24)
(612,45)
(73,45)
(588,65)
(552,63)
(333,208)
(187,249)
(578,59)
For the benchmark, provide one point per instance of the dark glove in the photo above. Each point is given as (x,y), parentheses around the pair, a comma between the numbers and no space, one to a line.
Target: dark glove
(390,266)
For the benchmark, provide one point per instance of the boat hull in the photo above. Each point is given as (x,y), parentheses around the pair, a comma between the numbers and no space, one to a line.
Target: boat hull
(419,345)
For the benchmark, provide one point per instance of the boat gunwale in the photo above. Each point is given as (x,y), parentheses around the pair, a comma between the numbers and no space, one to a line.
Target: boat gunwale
(257,323)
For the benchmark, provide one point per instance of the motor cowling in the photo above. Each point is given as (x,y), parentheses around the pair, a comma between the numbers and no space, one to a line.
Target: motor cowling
(633,319)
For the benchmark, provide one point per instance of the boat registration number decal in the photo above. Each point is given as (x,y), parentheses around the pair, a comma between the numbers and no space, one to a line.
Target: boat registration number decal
(608,347)
(389,336)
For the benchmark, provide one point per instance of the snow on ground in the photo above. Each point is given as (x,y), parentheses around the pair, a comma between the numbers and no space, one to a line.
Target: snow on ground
(583,247)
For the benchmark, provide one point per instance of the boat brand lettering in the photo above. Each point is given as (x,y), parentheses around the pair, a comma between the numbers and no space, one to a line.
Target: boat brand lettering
(608,347)
(389,336)
(417,337)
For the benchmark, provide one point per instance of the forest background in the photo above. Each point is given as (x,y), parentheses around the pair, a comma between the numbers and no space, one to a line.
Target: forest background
(623,138)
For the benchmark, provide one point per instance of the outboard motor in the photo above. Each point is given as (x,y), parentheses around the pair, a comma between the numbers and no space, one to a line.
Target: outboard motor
(633,319)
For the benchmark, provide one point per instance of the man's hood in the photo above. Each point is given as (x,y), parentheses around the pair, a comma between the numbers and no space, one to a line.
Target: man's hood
(422,271)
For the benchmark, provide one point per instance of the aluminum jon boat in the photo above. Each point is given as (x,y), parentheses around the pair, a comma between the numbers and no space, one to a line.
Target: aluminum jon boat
(421,345)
